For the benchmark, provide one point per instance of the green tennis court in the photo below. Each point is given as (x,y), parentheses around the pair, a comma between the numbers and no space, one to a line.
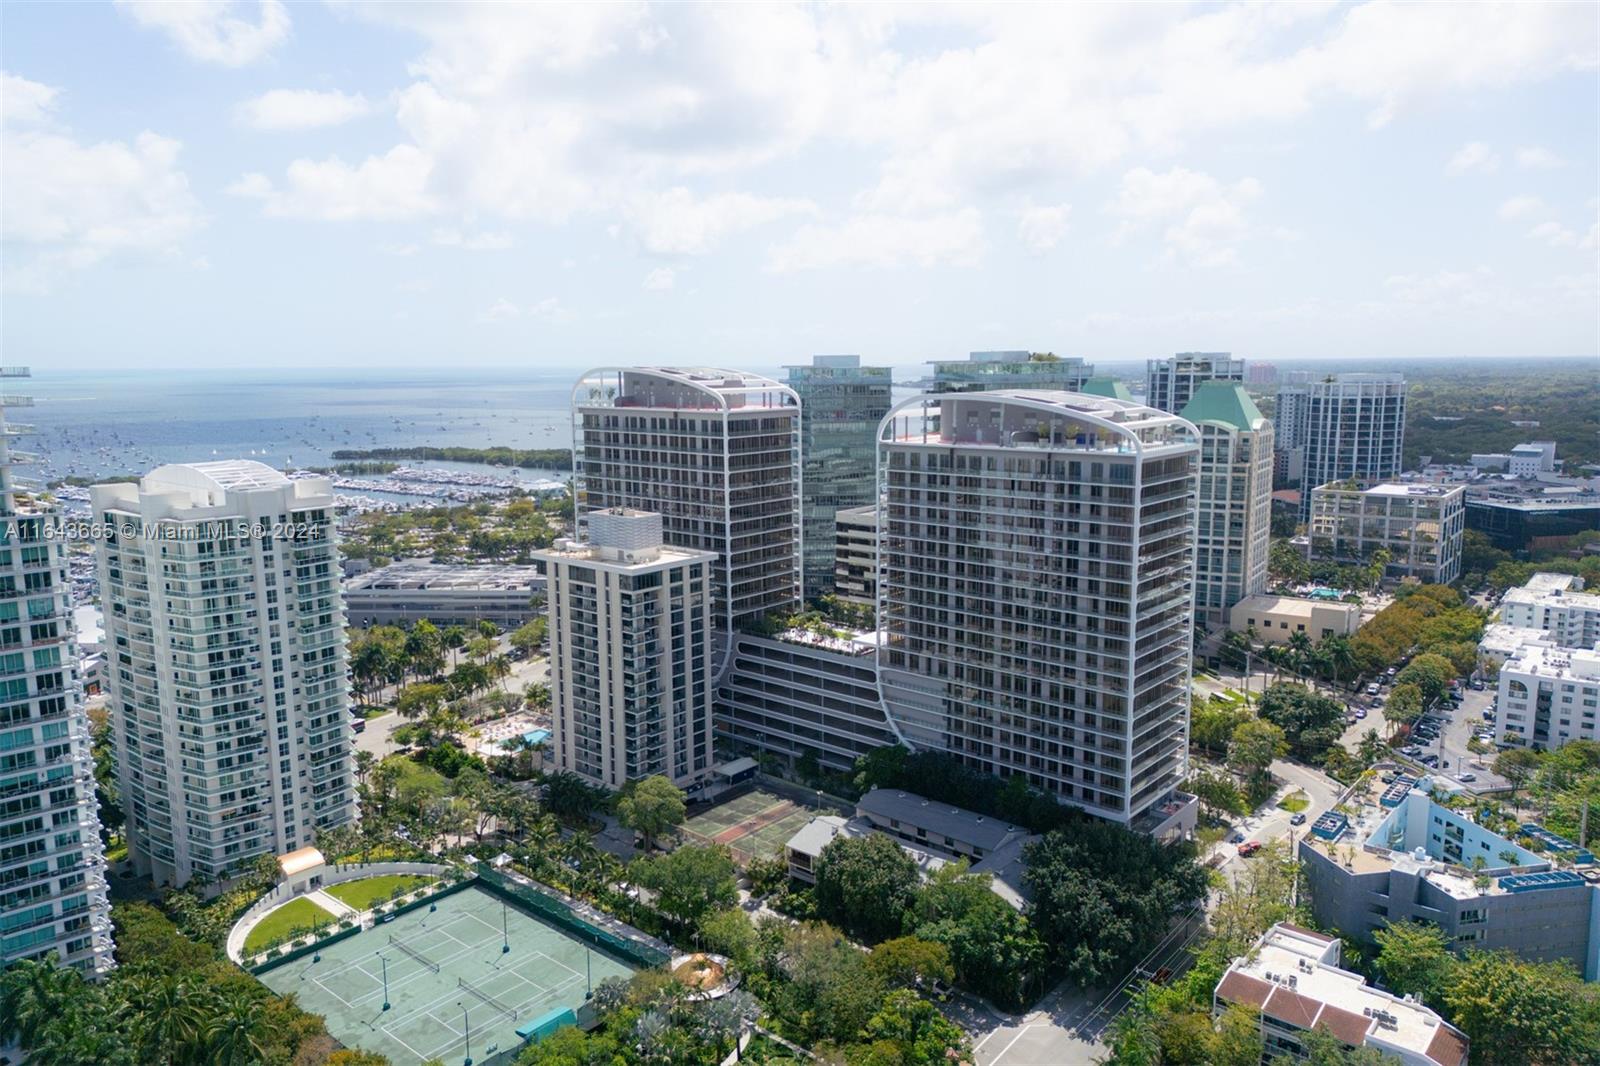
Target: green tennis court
(753,824)
(447,977)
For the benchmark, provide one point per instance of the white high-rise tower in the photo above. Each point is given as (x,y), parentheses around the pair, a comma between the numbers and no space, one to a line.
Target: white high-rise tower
(225,641)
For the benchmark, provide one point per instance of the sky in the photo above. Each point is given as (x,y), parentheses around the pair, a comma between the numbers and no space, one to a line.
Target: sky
(382,185)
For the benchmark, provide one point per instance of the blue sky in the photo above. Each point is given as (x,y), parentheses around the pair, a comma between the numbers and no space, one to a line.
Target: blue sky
(369,185)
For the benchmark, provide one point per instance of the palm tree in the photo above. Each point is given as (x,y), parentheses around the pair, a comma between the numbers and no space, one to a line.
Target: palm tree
(233,1033)
(1299,648)
(1372,747)
(453,638)
(365,761)
(32,994)
(172,1018)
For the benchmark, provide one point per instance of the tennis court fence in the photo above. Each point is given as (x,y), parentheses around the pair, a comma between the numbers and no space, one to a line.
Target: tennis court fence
(564,918)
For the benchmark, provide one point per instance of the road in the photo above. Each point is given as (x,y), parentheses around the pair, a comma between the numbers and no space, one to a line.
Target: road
(1066,1027)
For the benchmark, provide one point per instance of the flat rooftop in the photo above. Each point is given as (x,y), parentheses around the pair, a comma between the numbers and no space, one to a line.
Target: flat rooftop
(422,575)
(1383,836)
(939,819)
(853,641)
(1558,664)
(1293,977)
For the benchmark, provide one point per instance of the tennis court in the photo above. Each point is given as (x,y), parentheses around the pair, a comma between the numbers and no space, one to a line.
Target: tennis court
(752,824)
(447,971)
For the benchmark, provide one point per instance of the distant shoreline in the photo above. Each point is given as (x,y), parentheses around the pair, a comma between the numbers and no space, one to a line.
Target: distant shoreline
(534,458)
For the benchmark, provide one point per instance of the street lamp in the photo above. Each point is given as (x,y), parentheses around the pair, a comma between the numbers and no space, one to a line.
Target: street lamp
(466,1025)
(505,930)
(385,979)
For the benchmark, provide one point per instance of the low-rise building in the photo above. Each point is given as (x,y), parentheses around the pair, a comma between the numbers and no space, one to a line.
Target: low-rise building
(1420,525)
(1556,604)
(1276,618)
(1293,978)
(1549,695)
(931,833)
(855,555)
(445,594)
(1501,642)
(1401,857)
(1521,516)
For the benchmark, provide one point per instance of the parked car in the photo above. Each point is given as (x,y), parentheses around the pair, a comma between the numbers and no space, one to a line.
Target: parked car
(1249,848)
(1372,689)
(1361,712)
(1488,716)
(1298,819)
(1467,778)
(1477,684)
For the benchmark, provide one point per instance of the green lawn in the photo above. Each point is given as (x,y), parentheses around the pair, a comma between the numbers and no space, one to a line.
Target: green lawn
(364,893)
(1295,802)
(299,915)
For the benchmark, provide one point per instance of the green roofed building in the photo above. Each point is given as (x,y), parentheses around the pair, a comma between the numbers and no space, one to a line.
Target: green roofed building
(1111,387)
(1235,499)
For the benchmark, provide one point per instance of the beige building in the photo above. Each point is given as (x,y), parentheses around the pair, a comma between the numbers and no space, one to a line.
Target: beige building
(1276,618)
(1421,526)
(1293,979)
(630,652)
(1235,497)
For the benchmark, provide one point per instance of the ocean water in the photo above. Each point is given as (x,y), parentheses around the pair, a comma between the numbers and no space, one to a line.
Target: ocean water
(97,424)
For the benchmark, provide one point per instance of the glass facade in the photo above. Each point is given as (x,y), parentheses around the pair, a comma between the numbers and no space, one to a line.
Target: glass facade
(841,404)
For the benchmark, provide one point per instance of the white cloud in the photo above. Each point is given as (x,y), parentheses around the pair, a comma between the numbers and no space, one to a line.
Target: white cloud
(209,31)
(302,109)
(1518,207)
(392,247)
(390,186)
(1554,234)
(1040,227)
(1537,158)
(549,309)
(1473,157)
(549,112)
(450,237)
(69,204)
(676,222)
(879,240)
(24,102)
(660,279)
(1201,219)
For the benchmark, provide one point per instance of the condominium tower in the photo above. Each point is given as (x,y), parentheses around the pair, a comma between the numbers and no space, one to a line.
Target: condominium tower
(53,893)
(841,403)
(630,652)
(1036,560)
(716,453)
(984,371)
(226,675)
(1345,426)
(1235,498)
(1171,383)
